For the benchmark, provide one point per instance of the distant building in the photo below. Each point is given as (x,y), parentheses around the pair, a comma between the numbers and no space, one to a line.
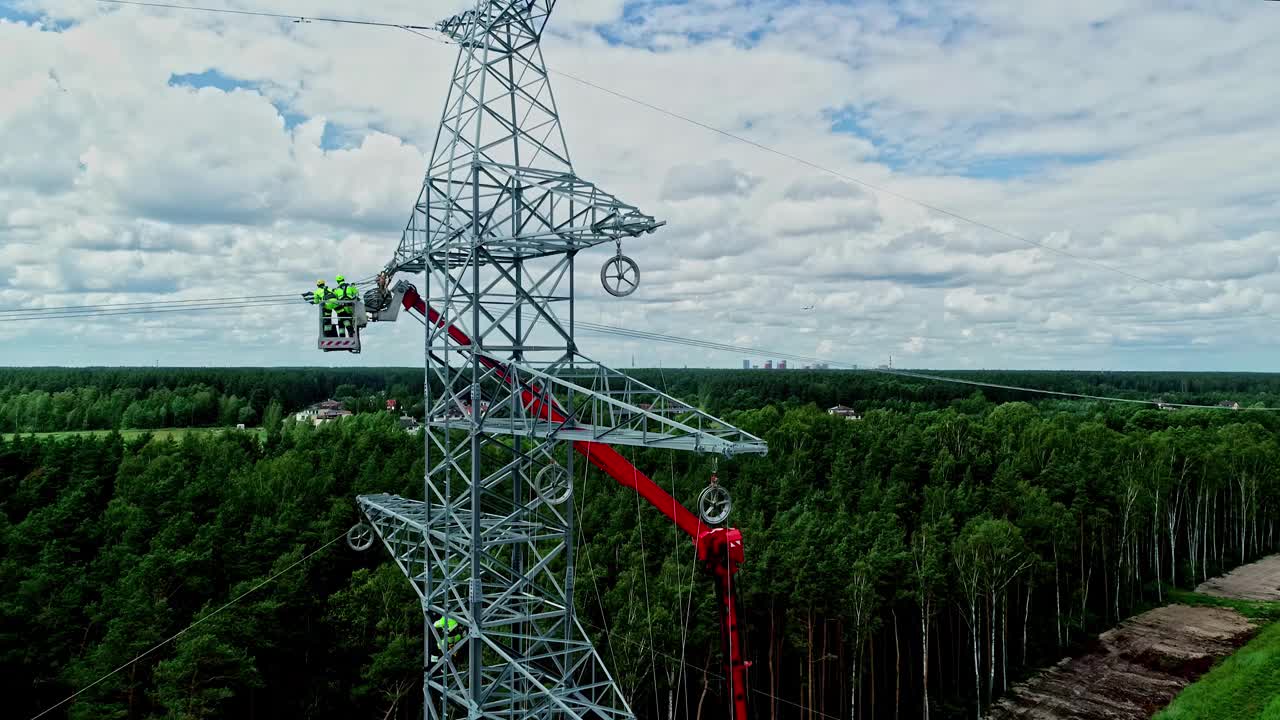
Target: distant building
(323,412)
(746,364)
(1232,404)
(409,424)
(1162,405)
(782,364)
(391,405)
(768,364)
(845,412)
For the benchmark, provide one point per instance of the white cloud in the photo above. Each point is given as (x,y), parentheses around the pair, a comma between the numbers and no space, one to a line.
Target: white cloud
(1122,133)
(714,179)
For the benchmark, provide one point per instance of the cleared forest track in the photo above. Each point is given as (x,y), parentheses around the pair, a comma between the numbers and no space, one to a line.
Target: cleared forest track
(1256,581)
(1137,668)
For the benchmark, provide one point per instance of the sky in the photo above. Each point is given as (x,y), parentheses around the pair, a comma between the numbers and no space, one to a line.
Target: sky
(156,155)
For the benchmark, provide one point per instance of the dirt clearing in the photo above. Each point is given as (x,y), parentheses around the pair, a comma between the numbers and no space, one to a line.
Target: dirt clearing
(1138,667)
(1257,581)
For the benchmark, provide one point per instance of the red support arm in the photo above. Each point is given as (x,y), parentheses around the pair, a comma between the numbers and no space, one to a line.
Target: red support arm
(598,454)
(719,549)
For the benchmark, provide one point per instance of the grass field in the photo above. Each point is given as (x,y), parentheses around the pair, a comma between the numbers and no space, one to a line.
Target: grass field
(162,433)
(1258,610)
(1244,686)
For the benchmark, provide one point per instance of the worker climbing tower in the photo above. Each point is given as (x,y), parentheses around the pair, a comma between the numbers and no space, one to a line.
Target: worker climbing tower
(514,410)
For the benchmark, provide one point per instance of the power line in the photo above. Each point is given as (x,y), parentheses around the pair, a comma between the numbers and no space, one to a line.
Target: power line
(280,16)
(870,186)
(140,304)
(135,311)
(245,305)
(808,163)
(693,342)
(874,187)
(178,634)
(126,309)
(1083,396)
(154,306)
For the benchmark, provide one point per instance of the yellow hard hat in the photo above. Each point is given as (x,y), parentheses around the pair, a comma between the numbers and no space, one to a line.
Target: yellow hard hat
(319,283)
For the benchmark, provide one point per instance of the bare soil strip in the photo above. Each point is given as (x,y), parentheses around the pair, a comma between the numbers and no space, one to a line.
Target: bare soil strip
(1256,581)
(1138,667)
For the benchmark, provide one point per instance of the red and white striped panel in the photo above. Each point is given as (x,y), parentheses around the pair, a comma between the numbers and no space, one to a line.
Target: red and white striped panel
(338,343)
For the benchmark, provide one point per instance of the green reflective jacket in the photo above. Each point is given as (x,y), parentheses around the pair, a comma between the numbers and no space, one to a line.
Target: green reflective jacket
(448,626)
(345,294)
(318,295)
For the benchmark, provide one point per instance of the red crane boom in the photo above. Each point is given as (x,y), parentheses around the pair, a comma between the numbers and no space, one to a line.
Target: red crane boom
(719,550)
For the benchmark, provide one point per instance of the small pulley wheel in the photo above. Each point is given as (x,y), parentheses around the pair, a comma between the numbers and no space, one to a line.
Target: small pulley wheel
(375,300)
(553,484)
(620,275)
(714,505)
(360,537)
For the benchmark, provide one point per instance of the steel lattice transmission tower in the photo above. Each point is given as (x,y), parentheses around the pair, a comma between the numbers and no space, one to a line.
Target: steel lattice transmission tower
(511,402)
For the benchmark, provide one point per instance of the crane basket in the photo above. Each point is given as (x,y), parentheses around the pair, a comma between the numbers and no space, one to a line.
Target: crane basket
(330,329)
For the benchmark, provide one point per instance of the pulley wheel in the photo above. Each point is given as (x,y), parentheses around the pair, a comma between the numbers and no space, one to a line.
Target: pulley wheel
(375,300)
(553,484)
(360,537)
(620,276)
(714,505)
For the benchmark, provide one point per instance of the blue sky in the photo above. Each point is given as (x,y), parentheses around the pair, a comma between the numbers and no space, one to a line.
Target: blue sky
(158,154)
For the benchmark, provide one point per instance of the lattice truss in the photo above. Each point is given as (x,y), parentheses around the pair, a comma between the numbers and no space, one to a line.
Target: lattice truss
(565,395)
(501,167)
(495,233)
(534,658)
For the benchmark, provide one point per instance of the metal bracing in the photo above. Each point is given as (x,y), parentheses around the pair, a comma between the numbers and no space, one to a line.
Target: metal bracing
(536,661)
(609,407)
(511,402)
(500,168)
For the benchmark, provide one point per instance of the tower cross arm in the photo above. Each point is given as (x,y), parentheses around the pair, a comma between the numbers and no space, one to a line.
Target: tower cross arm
(530,211)
(495,18)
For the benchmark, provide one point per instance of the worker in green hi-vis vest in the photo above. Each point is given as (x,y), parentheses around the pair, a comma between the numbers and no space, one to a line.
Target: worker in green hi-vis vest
(449,633)
(345,295)
(322,296)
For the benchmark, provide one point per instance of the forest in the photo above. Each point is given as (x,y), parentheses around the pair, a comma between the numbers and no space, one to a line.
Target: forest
(913,563)
(75,399)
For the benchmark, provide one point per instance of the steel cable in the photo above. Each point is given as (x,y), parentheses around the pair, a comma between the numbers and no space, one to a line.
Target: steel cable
(693,342)
(874,187)
(181,632)
(245,305)
(148,303)
(129,309)
(253,13)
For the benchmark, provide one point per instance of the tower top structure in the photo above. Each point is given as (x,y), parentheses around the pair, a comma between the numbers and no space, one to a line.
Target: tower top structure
(500,168)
